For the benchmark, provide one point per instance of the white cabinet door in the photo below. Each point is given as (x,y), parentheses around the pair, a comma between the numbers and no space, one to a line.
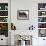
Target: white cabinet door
(3,40)
(41,41)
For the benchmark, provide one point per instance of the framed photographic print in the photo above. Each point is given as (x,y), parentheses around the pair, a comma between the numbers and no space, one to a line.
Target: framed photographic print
(23,14)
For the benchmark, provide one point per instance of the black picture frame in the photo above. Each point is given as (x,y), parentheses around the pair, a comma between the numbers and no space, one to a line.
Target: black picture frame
(22,14)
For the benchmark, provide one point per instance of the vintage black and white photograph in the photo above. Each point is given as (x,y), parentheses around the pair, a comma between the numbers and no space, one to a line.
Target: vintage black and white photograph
(22,14)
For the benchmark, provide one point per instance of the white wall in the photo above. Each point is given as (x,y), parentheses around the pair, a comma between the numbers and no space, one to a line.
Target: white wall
(32,6)
(24,5)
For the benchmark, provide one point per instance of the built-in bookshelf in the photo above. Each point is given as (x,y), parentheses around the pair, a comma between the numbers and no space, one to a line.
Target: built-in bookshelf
(42,19)
(4,19)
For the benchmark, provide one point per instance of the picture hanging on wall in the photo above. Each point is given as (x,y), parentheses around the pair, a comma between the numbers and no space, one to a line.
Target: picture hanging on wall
(22,14)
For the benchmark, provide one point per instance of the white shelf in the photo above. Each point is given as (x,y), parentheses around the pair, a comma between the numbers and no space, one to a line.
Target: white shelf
(3,16)
(3,10)
(41,22)
(42,16)
(41,28)
(41,10)
(3,22)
